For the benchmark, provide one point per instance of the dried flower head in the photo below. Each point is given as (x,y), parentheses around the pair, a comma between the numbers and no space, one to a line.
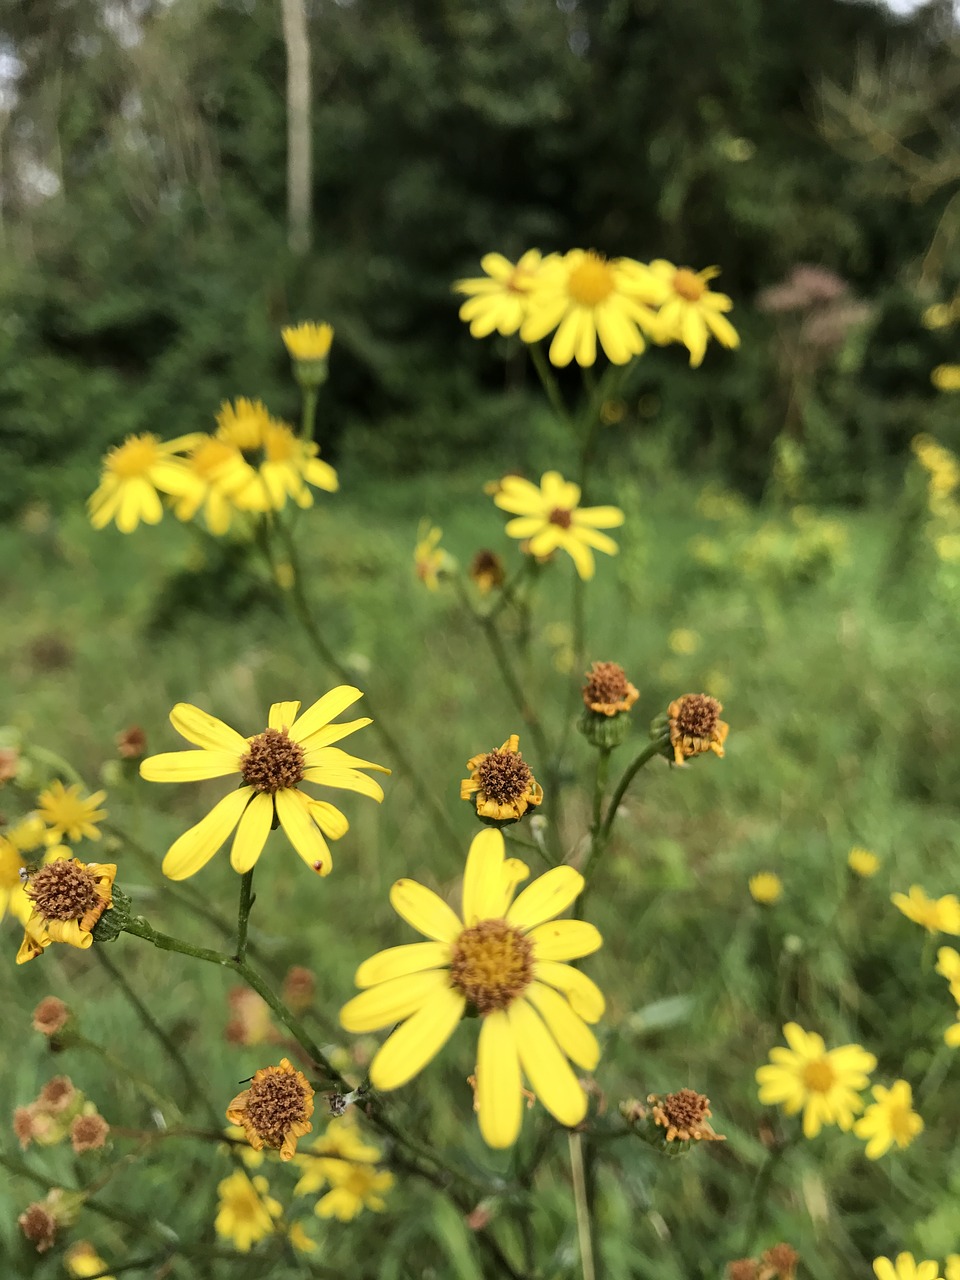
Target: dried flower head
(9,763)
(685,1115)
(695,726)
(299,988)
(275,1111)
(250,1021)
(742,1269)
(23,1126)
(502,784)
(57,1095)
(781,1261)
(608,691)
(50,1016)
(88,1132)
(38,1222)
(68,898)
(132,743)
(487,571)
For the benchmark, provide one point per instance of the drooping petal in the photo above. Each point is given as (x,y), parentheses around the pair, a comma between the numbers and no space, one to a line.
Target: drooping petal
(584,995)
(551,1076)
(548,896)
(580,554)
(205,730)
(344,780)
(419,1039)
(189,766)
(282,714)
(197,846)
(392,1001)
(252,831)
(499,1083)
(565,940)
(568,1029)
(293,810)
(397,962)
(483,877)
(323,711)
(425,911)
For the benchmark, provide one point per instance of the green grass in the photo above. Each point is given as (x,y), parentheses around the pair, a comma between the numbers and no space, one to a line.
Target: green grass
(843,705)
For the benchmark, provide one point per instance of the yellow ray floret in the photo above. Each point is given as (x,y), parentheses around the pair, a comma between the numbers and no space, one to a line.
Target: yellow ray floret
(936,915)
(502,959)
(905,1268)
(823,1083)
(272,765)
(135,473)
(550,519)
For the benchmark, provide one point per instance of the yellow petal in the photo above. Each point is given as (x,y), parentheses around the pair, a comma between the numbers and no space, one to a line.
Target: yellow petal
(418,1040)
(197,846)
(570,1031)
(334,732)
(524,526)
(581,555)
(397,962)
(499,1097)
(204,730)
(283,714)
(329,819)
(252,831)
(550,894)
(336,758)
(584,995)
(483,878)
(564,940)
(427,912)
(323,711)
(189,766)
(392,1001)
(551,1076)
(293,810)
(344,780)
(598,517)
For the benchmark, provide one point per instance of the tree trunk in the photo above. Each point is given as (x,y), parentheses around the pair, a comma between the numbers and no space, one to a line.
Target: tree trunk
(299,148)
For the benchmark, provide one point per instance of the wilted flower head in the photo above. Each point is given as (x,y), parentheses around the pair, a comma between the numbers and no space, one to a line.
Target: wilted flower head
(132,743)
(780,1260)
(487,571)
(9,763)
(299,988)
(608,691)
(50,1016)
(275,1111)
(695,726)
(88,1132)
(685,1115)
(501,784)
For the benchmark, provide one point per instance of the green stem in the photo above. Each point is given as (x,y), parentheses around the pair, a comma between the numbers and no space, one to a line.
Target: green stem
(309,412)
(583,1209)
(599,791)
(243,914)
(549,383)
(633,768)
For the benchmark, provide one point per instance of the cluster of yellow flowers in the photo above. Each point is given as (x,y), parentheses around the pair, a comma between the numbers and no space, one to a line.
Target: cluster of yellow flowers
(943,478)
(937,915)
(781,553)
(584,298)
(945,377)
(905,1267)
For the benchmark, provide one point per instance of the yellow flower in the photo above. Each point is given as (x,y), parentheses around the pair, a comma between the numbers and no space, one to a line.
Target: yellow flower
(133,473)
(275,1111)
(823,1083)
(692,311)
(308,341)
(937,915)
(502,959)
(889,1119)
(502,783)
(683,641)
(28,834)
(948,964)
(905,1269)
(765,887)
(68,815)
(300,1240)
(429,559)
(354,1187)
(67,899)
(341,1143)
(952,1034)
(15,842)
(500,300)
(223,473)
(938,316)
(863,862)
(952,1268)
(291,750)
(585,296)
(946,377)
(283,465)
(246,1212)
(550,517)
(82,1260)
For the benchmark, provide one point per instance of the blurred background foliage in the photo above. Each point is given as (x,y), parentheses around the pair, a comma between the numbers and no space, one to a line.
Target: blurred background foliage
(144,269)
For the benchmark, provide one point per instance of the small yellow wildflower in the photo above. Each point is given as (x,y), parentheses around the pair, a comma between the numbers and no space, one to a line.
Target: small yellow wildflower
(283,464)
(695,726)
(823,1083)
(936,915)
(134,475)
(500,300)
(223,473)
(551,517)
(683,641)
(68,815)
(765,887)
(905,1268)
(246,1212)
(948,964)
(863,862)
(354,1187)
(308,341)
(889,1119)
(344,1161)
(429,558)
(692,312)
(946,377)
(82,1260)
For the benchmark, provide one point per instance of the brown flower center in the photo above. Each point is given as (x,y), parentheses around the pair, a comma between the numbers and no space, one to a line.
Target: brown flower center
(591,281)
(276,1102)
(689,285)
(561,516)
(273,762)
(607,682)
(492,964)
(697,715)
(503,775)
(818,1076)
(685,1109)
(63,890)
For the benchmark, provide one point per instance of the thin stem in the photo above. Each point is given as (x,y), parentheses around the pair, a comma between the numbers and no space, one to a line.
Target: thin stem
(309,412)
(599,791)
(549,383)
(583,1209)
(633,768)
(243,914)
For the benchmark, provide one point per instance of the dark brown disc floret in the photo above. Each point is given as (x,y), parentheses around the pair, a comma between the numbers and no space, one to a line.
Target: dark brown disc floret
(273,762)
(63,890)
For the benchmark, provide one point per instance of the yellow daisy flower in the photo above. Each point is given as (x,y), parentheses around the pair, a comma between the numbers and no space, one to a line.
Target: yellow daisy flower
(133,473)
(283,464)
(82,1261)
(246,1212)
(549,516)
(308,341)
(429,558)
(342,1142)
(13,868)
(67,899)
(863,863)
(586,297)
(937,915)
(823,1083)
(692,312)
(223,473)
(765,887)
(68,815)
(353,1188)
(272,764)
(500,300)
(905,1269)
(889,1119)
(503,960)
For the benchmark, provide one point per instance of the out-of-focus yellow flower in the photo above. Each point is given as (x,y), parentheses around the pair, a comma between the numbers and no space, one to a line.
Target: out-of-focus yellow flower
(68,815)
(487,571)
(946,377)
(692,312)
(67,898)
(300,1240)
(889,1119)
(135,473)
(765,887)
(586,297)
(82,1260)
(246,1212)
(308,341)
(936,915)
(948,547)
(505,960)
(549,515)
(500,299)
(823,1083)
(344,1161)
(429,558)
(948,966)
(863,862)
(252,1159)
(354,1187)
(938,316)
(905,1268)
(952,1267)
(283,464)
(223,473)
(683,641)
